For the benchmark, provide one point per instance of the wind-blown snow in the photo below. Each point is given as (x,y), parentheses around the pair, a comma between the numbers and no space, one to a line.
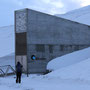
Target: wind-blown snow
(69,59)
(81,15)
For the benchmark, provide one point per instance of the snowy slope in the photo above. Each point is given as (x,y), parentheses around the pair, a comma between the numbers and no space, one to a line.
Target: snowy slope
(8,60)
(6,40)
(81,15)
(79,71)
(7,56)
(69,59)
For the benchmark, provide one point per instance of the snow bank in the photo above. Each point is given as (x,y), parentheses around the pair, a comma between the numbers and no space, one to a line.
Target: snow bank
(79,71)
(69,59)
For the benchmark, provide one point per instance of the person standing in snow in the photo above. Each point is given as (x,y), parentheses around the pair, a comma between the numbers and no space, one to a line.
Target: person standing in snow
(18,72)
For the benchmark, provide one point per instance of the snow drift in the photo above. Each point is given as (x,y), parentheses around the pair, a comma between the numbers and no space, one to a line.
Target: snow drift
(79,71)
(69,59)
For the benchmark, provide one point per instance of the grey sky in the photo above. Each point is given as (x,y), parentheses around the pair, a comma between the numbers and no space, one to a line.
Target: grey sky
(7,7)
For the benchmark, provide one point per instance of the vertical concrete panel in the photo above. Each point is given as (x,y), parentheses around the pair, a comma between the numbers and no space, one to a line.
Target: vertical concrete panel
(21,21)
(20,37)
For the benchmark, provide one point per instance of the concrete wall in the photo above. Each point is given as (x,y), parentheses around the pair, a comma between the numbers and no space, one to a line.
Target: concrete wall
(61,35)
(49,37)
(47,29)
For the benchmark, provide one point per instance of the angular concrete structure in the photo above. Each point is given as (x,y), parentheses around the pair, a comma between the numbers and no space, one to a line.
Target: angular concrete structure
(46,37)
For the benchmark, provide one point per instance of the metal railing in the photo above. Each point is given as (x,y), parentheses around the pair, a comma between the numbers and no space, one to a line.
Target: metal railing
(4,70)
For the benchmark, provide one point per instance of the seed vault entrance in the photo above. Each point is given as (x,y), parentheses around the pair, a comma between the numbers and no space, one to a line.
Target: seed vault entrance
(21,48)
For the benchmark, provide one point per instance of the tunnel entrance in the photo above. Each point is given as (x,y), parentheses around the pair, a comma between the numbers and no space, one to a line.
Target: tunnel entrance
(21,49)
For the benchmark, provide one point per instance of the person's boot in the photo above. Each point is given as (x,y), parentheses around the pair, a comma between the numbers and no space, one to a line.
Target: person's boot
(16,81)
(19,81)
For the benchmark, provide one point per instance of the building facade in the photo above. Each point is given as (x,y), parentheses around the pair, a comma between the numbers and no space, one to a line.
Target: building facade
(46,37)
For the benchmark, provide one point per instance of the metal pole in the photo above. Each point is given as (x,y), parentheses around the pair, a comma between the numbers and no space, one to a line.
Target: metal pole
(26,39)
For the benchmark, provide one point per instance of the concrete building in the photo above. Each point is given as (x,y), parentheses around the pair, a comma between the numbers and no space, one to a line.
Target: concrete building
(46,37)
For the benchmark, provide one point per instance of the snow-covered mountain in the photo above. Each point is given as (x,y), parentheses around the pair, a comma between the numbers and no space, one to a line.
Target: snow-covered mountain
(8,60)
(6,40)
(81,15)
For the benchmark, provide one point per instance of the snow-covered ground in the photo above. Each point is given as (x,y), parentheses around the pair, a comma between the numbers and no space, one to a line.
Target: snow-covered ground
(71,77)
(81,15)
(34,82)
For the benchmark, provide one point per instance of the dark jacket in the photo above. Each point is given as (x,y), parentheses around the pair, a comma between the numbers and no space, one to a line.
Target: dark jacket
(19,68)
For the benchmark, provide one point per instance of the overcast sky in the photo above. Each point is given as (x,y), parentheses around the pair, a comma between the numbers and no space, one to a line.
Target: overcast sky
(7,7)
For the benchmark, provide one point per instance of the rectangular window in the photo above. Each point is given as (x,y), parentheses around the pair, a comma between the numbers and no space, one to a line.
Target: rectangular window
(40,48)
(61,47)
(77,47)
(51,48)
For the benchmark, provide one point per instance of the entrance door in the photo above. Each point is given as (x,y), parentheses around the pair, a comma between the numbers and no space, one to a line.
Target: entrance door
(23,60)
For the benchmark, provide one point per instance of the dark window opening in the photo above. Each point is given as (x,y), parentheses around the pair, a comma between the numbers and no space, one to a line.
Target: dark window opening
(40,48)
(51,48)
(61,47)
(77,47)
